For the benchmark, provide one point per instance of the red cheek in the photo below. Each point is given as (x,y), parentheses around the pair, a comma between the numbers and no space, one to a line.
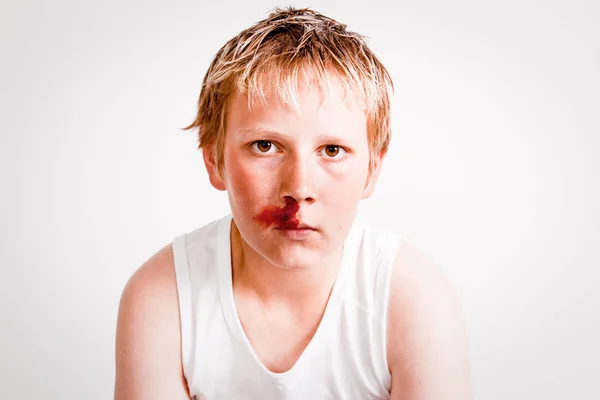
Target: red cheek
(281,217)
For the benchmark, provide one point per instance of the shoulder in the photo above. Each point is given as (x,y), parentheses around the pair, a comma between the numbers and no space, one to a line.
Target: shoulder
(152,287)
(155,274)
(426,336)
(150,294)
(148,344)
(417,281)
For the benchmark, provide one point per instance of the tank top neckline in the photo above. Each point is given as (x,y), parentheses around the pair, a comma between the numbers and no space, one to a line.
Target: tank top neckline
(230,311)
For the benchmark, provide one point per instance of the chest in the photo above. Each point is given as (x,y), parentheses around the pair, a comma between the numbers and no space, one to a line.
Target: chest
(278,338)
(338,358)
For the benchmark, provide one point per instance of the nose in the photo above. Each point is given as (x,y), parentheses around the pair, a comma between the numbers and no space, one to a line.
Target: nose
(298,179)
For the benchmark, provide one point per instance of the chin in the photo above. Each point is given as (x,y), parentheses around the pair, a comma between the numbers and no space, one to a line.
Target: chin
(295,258)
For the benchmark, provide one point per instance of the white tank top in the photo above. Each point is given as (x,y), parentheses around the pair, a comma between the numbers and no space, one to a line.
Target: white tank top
(346,358)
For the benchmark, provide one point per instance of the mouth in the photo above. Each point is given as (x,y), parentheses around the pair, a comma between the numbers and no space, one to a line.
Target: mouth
(300,233)
(298,227)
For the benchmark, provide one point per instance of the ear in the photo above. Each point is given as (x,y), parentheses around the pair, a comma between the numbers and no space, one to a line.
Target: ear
(210,162)
(370,185)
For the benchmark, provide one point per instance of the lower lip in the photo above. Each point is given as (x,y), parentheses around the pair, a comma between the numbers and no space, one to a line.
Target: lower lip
(296,233)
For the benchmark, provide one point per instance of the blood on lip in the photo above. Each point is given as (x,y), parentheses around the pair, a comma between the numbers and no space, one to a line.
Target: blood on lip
(282,217)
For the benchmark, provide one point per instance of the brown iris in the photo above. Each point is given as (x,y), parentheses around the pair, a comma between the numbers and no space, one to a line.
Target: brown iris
(263,145)
(332,151)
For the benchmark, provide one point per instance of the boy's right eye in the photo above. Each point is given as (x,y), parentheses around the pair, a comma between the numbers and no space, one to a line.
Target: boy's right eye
(262,146)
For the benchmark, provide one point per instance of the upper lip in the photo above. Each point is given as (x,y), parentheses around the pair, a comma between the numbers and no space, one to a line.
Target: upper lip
(304,226)
(300,226)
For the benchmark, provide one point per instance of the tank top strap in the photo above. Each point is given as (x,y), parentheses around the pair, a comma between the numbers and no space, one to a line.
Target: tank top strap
(184,293)
(390,245)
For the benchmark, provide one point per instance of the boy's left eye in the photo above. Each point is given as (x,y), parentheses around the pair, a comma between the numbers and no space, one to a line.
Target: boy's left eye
(332,150)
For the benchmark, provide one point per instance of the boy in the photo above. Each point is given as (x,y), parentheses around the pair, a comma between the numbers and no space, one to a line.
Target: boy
(288,297)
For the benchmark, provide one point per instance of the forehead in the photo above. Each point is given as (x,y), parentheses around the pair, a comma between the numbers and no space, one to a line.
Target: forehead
(327,107)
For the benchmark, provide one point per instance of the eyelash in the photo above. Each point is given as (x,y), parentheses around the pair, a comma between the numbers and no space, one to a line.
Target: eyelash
(327,145)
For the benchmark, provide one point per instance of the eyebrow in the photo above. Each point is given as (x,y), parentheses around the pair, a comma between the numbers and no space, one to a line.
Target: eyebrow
(258,132)
(247,132)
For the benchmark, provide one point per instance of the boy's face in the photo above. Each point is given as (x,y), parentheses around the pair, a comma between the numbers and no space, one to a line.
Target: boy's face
(314,162)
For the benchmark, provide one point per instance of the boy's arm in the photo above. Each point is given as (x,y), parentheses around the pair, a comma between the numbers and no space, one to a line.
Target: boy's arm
(427,341)
(148,341)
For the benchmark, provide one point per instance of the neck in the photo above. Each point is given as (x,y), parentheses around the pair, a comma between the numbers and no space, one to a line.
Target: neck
(300,288)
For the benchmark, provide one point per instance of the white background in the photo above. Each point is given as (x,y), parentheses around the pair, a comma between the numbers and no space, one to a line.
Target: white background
(493,172)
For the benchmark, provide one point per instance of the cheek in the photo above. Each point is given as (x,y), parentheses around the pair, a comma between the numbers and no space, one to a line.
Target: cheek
(351,182)
(345,197)
(246,183)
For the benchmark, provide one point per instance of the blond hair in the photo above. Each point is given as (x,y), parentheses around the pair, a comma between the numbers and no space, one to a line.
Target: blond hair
(290,45)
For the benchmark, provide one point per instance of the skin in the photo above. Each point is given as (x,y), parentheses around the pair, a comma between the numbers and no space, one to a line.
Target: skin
(293,163)
(427,340)
(148,338)
(274,156)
